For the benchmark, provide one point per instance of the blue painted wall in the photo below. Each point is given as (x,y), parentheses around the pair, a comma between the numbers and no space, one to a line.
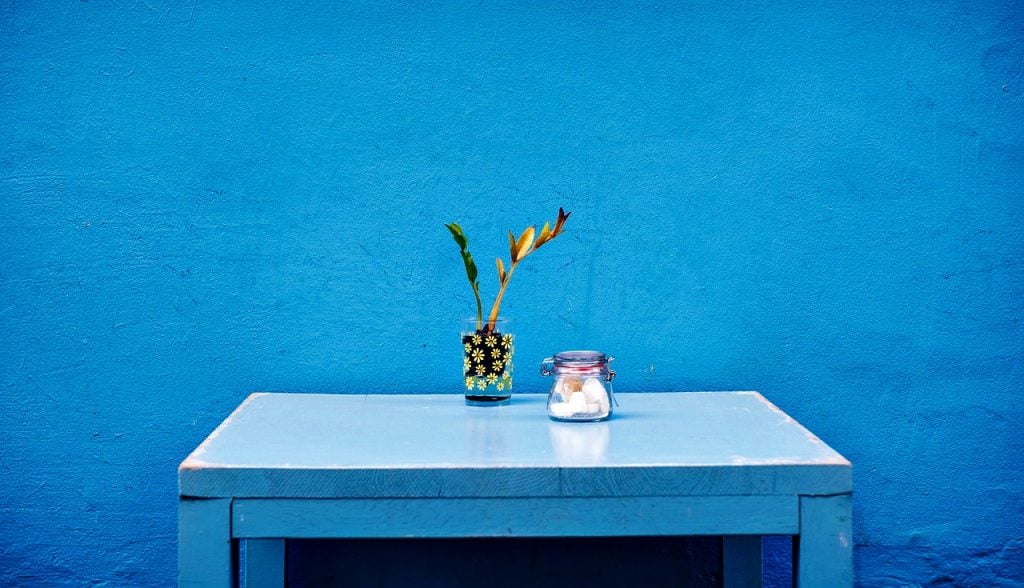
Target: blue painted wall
(202,200)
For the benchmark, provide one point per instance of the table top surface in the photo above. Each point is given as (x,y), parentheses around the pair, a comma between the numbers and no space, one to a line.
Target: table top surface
(371,445)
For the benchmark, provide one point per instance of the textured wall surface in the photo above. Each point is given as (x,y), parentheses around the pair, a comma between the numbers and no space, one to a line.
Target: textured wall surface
(201,200)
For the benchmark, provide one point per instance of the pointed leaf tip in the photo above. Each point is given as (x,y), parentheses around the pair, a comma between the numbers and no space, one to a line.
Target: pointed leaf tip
(512,247)
(458,235)
(544,237)
(562,217)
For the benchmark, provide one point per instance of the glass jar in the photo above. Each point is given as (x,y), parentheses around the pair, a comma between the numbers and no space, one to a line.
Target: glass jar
(582,390)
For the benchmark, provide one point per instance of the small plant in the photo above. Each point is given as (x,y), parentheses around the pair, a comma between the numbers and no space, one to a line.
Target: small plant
(487,352)
(519,249)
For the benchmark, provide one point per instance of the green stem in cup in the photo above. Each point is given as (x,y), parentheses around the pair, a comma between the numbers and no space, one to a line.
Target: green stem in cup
(471,272)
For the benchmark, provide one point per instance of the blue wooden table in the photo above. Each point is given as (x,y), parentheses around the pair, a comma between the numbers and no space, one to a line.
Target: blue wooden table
(372,466)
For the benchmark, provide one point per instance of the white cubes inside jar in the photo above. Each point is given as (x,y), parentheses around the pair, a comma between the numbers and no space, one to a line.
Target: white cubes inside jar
(579,398)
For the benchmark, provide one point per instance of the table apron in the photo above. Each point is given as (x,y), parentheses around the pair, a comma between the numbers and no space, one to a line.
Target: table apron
(514,517)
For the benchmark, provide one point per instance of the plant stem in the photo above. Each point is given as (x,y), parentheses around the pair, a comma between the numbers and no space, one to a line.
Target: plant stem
(497,300)
(479,308)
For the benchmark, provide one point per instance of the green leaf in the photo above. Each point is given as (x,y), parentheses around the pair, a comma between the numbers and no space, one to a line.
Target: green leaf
(471,272)
(470,266)
(458,235)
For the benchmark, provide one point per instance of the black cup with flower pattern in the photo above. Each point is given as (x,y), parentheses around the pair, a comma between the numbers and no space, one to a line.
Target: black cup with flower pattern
(487,362)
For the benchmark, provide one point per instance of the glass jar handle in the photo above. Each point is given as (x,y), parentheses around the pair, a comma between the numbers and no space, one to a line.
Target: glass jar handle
(547,367)
(609,377)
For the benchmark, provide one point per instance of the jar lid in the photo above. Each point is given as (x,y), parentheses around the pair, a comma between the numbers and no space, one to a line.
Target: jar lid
(580,359)
(578,362)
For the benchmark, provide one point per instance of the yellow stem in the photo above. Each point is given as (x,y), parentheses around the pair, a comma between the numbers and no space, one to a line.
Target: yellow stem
(493,318)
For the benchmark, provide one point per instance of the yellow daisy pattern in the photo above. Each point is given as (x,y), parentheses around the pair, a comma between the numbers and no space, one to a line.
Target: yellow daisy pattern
(487,362)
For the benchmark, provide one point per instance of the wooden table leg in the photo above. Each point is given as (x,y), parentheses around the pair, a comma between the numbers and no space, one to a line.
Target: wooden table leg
(825,553)
(205,554)
(741,561)
(264,563)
